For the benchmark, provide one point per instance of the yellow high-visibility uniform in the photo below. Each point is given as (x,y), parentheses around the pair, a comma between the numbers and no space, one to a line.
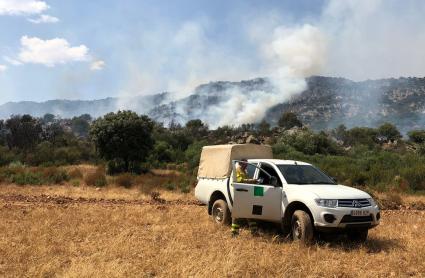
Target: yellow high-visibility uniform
(241,175)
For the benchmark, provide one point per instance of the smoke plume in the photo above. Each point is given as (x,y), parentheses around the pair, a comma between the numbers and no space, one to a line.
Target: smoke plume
(353,39)
(288,55)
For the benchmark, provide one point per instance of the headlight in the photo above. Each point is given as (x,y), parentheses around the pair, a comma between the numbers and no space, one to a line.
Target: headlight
(329,203)
(372,202)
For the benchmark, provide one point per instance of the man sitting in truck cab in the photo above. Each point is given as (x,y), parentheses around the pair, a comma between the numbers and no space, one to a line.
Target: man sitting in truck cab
(242,173)
(243,177)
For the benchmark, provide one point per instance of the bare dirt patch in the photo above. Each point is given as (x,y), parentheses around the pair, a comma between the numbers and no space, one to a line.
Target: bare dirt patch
(63,200)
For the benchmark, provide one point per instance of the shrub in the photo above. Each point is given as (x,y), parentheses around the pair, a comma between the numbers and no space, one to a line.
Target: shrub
(417,136)
(54,175)
(162,152)
(389,131)
(6,156)
(96,178)
(170,186)
(117,166)
(27,178)
(33,176)
(289,120)
(193,153)
(75,183)
(125,180)
(185,189)
(75,173)
(415,176)
(421,149)
(361,136)
(16,165)
(309,143)
(67,155)
(391,200)
(47,153)
(358,178)
(400,184)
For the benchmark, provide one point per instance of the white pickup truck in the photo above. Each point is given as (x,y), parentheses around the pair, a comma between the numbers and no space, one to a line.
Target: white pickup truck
(297,195)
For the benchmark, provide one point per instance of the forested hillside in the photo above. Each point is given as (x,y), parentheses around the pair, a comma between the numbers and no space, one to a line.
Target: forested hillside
(326,103)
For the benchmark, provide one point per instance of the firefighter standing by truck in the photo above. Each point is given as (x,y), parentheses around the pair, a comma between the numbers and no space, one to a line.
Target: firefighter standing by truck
(242,177)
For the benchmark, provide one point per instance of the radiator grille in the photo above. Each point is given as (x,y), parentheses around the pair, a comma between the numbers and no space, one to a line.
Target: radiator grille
(353,203)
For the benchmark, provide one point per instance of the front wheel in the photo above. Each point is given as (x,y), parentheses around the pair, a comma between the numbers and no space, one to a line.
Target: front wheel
(302,227)
(221,213)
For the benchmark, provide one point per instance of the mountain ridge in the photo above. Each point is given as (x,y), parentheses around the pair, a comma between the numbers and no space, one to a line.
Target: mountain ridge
(325,103)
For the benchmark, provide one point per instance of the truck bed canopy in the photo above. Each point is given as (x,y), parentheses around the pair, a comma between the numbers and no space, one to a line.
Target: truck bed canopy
(216,161)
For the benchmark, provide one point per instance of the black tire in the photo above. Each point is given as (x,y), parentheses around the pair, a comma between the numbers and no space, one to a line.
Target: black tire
(302,227)
(358,236)
(220,213)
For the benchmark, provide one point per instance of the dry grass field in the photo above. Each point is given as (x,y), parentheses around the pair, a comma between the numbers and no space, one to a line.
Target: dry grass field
(65,231)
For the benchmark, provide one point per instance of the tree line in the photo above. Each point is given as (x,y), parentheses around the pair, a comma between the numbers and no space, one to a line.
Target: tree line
(127,142)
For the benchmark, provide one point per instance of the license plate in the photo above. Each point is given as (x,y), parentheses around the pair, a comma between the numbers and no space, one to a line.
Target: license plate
(360,213)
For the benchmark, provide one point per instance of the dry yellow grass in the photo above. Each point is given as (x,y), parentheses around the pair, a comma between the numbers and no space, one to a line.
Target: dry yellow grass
(111,240)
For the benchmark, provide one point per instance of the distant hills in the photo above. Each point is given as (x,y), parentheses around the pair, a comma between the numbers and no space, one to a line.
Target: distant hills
(326,103)
(71,108)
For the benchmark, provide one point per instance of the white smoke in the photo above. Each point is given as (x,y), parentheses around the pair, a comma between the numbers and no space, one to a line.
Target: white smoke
(289,55)
(373,39)
(360,40)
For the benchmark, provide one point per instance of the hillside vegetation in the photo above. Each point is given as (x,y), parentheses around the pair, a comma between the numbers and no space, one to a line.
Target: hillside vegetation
(325,103)
(125,145)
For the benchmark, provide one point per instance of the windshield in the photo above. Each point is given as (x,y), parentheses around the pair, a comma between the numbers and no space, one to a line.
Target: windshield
(304,174)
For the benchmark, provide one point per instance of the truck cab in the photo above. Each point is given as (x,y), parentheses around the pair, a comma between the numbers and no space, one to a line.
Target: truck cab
(296,195)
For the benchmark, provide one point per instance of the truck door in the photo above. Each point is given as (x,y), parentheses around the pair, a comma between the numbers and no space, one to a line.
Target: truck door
(257,201)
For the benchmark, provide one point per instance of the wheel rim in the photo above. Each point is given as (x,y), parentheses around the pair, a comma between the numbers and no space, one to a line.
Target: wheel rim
(218,214)
(296,229)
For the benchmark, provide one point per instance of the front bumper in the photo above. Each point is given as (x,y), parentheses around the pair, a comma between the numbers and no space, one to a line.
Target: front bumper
(343,218)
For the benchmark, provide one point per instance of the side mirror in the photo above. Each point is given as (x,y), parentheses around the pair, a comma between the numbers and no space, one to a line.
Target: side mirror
(273,181)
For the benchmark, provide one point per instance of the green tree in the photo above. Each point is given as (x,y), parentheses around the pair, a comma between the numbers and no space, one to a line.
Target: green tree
(193,153)
(389,131)
(263,128)
(81,125)
(417,136)
(340,133)
(361,136)
(289,120)
(196,128)
(24,132)
(123,136)
(2,133)
(52,132)
(48,118)
(310,143)
(162,152)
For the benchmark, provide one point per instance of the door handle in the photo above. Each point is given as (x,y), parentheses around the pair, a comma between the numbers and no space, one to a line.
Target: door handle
(241,189)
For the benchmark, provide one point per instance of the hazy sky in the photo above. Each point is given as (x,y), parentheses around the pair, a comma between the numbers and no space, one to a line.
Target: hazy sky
(94,49)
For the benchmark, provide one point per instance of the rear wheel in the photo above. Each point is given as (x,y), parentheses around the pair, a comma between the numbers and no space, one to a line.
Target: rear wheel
(220,212)
(302,227)
(358,235)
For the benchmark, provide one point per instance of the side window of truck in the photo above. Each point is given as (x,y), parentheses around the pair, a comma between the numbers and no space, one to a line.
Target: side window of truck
(251,171)
(269,169)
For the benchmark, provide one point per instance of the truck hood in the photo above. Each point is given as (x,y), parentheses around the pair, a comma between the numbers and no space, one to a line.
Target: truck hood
(330,191)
